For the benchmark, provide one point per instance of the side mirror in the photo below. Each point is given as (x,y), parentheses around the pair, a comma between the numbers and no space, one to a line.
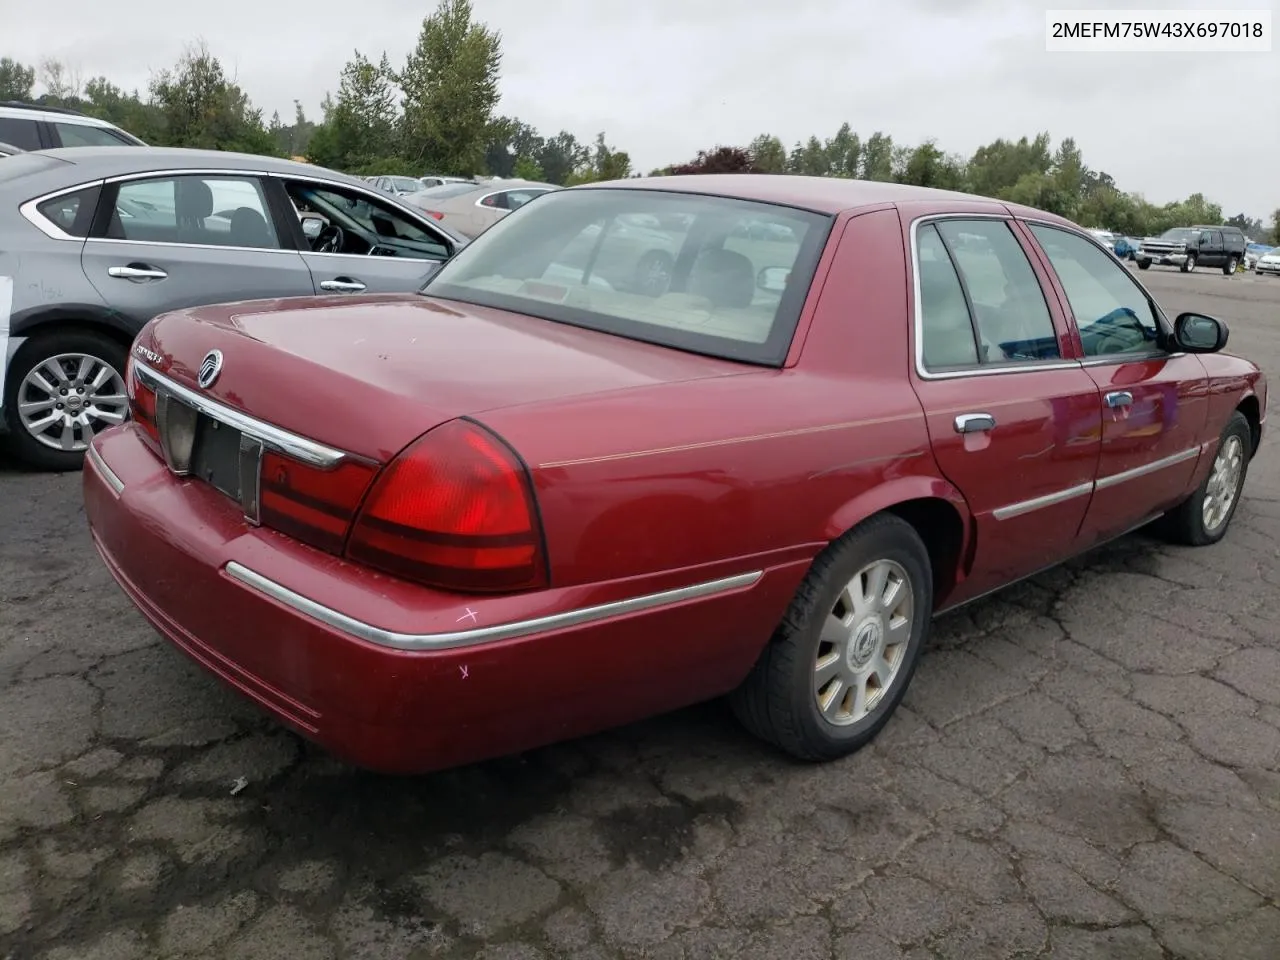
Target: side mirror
(1196,333)
(773,279)
(312,227)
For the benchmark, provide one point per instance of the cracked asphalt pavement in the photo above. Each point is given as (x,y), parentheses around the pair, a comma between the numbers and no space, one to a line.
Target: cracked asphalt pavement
(1086,766)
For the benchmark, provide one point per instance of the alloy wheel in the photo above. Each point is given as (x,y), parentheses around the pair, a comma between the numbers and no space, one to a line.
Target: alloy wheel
(863,643)
(66,399)
(1224,484)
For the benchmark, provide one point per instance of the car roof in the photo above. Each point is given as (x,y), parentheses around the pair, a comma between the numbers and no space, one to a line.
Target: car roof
(67,166)
(36,111)
(829,195)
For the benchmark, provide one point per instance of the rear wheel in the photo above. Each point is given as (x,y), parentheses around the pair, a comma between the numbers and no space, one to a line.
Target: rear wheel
(1203,517)
(653,273)
(1144,264)
(1230,266)
(63,388)
(840,662)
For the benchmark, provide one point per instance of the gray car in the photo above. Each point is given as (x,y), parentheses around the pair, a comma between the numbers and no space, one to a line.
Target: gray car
(94,242)
(471,209)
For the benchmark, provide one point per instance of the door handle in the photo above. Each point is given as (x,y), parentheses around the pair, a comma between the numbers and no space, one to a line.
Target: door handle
(975,423)
(342,285)
(1119,398)
(136,271)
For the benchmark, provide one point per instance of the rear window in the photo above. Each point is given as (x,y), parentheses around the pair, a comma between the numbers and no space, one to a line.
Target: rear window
(20,131)
(711,275)
(446,190)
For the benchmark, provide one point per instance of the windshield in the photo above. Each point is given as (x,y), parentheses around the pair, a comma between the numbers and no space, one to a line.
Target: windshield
(711,275)
(407,184)
(1180,235)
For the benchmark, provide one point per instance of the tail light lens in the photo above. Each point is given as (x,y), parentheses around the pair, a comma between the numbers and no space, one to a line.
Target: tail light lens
(315,506)
(455,510)
(142,403)
(434,214)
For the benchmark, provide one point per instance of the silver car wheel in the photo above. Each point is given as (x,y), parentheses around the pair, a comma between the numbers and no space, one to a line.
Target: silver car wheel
(863,643)
(67,398)
(1224,484)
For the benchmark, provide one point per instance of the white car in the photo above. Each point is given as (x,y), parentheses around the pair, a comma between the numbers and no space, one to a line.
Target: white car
(1269,262)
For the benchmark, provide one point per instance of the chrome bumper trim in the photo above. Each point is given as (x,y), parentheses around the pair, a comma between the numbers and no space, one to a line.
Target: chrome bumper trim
(272,437)
(481,635)
(95,459)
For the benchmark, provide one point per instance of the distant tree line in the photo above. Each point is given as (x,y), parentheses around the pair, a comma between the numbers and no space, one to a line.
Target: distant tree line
(434,114)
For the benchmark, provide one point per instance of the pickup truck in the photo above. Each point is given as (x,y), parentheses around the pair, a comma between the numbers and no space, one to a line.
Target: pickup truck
(1190,247)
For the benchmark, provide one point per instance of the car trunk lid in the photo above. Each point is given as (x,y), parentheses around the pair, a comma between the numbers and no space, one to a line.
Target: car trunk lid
(367,375)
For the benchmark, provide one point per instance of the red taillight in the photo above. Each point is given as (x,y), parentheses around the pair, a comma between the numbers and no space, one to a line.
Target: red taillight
(142,403)
(455,510)
(315,506)
(434,214)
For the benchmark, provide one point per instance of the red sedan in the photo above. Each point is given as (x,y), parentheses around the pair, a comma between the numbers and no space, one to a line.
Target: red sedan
(647,443)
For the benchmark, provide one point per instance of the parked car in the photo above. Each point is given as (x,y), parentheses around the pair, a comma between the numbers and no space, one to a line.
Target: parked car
(1126,248)
(399,186)
(1190,247)
(440,181)
(105,238)
(471,209)
(1105,237)
(32,126)
(422,530)
(1252,252)
(1269,262)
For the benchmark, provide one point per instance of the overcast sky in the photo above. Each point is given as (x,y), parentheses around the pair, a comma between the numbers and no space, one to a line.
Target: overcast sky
(664,78)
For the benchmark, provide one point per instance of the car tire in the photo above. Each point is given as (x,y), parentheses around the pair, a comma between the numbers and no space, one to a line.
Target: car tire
(1144,264)
(1203,518)
(789,699)
(1189,264)
(1230,266)
(47,348)
(653,273)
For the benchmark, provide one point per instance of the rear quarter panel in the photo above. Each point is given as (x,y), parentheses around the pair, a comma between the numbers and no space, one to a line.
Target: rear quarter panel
(1231,381)
(748,471)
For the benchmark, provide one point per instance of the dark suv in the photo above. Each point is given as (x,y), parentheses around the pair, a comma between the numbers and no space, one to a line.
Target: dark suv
(31,126)
(1190,247)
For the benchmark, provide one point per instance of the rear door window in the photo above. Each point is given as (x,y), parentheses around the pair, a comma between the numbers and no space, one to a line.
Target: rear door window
(221,211)
(20,131)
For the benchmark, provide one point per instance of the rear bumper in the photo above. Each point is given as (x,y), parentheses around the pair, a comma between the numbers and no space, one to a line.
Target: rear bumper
(400,678)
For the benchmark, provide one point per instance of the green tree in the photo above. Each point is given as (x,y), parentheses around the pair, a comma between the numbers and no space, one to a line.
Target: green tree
(560,156)
(927,166)
(603,163)
(16,80)
(810,159)
(450,84)
(768,155)
(1275,227)
(844,153)
(360,124)
(526,168)
(1069,178)
(200,107)
(877,157)
(1248,225)
(508,141)
(997,167)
